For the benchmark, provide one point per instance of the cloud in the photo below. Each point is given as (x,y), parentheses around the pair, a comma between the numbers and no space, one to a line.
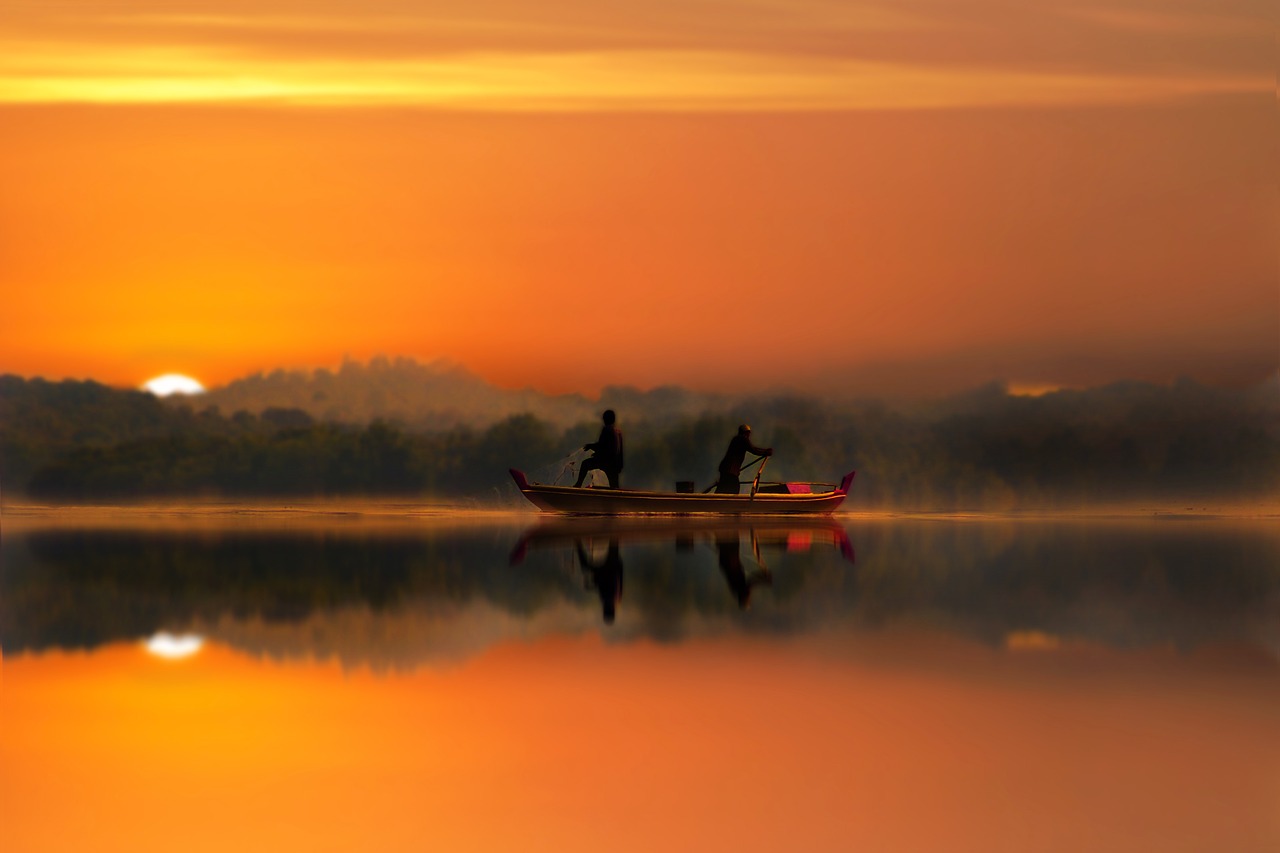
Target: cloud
(574,55)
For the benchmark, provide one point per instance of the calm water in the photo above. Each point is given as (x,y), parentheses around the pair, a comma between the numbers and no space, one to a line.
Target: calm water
(407,679)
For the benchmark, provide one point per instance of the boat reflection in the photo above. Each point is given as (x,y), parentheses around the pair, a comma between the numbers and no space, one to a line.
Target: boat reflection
(726,537)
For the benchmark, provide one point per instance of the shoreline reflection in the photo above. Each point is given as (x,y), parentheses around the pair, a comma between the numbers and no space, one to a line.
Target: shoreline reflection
(409,598)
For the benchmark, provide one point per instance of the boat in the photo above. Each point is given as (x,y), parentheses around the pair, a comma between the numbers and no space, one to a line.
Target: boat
(762,499)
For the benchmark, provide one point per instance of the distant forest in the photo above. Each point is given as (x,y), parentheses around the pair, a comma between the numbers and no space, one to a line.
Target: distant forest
(83,441)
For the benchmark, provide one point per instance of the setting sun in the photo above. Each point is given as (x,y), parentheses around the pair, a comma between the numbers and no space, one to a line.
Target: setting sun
(172,383)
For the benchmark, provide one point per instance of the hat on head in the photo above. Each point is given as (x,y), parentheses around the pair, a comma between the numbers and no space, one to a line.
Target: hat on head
(743,429)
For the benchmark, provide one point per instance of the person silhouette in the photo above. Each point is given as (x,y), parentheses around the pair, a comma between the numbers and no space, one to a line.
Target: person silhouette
(606,453)
(731,464)
(605,576)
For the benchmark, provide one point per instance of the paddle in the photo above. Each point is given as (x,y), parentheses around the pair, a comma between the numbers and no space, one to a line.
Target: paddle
(755,484)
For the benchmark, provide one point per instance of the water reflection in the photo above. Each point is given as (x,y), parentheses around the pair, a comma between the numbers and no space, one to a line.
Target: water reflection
(461,684)
(724,537)
(174,647)
(443,591)
(605,577)
(729,551)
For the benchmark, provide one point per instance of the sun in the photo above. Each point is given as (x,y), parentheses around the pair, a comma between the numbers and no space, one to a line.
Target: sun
(172,383)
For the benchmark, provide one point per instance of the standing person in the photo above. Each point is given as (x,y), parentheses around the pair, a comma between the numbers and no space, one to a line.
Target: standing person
(607,453)
(731,464)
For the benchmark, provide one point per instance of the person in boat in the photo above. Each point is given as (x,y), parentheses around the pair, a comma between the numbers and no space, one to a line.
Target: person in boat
(731,465)
(606,452)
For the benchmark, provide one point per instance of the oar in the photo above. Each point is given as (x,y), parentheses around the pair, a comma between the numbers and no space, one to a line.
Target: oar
(755,484)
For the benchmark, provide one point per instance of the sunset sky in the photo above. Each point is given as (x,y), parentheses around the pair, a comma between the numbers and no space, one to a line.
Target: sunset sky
(919,195)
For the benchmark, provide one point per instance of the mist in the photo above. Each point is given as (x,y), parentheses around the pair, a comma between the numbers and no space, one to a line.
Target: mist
(408,429)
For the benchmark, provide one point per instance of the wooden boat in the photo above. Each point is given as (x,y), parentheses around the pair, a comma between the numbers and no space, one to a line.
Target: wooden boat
(762,499)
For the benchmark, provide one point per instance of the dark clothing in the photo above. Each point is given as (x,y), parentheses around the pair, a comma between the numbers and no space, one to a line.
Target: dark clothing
(607,456)
(608,447)
(739,446)
(594,464)
(731,464)
(728,484)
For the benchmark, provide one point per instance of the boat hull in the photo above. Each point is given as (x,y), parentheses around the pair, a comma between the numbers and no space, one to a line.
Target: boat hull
(567,499)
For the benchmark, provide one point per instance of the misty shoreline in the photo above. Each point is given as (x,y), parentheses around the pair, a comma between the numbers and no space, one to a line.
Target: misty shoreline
(1183,447)
(365,514)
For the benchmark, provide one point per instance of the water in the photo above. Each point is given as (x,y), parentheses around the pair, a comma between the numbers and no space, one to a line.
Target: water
(406,678)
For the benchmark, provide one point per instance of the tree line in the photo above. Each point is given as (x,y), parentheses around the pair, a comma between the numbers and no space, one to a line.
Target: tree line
(985,449)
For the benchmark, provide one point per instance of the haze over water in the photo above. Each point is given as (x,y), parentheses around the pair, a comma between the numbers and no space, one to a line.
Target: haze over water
(407,677)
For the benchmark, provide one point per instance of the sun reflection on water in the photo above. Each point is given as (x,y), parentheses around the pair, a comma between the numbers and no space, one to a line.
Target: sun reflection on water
(174,646)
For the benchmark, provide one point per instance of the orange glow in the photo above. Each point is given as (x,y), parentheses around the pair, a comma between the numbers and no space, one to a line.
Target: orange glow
(842,195)
(558,739)
(583,57)
(1032,389)
(634,80)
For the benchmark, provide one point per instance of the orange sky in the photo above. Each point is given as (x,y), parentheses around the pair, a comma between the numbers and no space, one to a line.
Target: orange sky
(922,194)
